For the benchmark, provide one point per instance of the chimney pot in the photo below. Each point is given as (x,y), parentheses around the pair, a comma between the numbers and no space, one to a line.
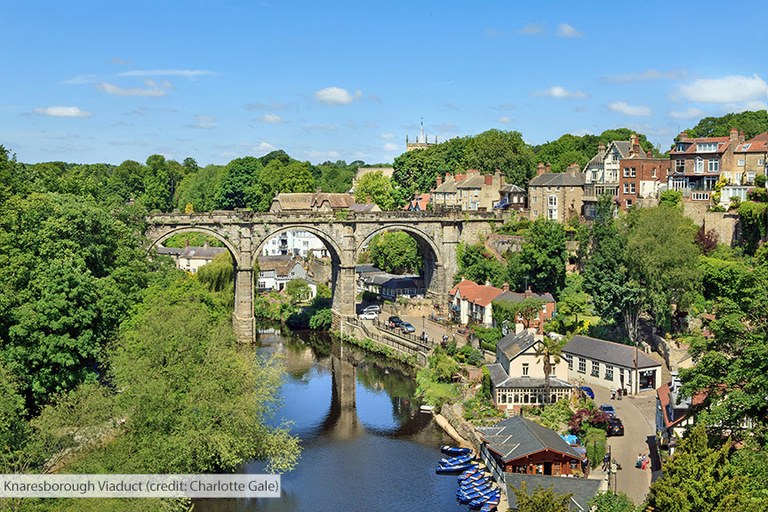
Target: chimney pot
(540,169)
(548,168)
(505,287)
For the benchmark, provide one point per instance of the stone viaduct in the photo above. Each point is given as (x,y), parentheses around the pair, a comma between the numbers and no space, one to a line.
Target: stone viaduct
(344,233)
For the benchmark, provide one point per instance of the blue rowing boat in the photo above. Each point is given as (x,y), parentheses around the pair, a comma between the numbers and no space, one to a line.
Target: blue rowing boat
(454,469)
(455,461)
(455,450)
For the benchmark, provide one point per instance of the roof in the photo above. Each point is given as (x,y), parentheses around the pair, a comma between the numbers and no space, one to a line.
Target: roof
(471,181)
(368,269)
(511,187)
(169,251)
(509,296)
(418,203)
(364,207)
(691,148)
(282,265)
(517,437)
(201,253)
(476,293)
(557,179)
(295,201)
(335,200)
(582,490)
(501,379)
(394,281)
(608,352)
(667,397)
(310,200)
(449,185)
(757,144)
(514,344)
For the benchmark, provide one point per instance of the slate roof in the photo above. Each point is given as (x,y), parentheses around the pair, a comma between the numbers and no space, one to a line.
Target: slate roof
(364,207)
(581,489)
(509,296)
(472,181)
(449,185)
(608,352)
(511,187)
(201,253)
(281,265)
(517,437)
(692,149)
(169,251)
(476,293)
(368,269)
(500,379)
(513,344)
(557,179)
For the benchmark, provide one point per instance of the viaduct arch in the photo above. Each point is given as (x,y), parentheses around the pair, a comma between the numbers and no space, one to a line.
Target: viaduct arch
(244,232)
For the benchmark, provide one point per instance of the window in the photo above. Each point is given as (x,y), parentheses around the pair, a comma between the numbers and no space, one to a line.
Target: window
(608,372)
(680,147)
(626,172)
(535,199)
(552,200)
(714,165)
(582,366)
(525,369)
(760,161)
(741,162)
(653,173)
(679,165)
(632,189)
(595,369)
(750,178)
(569,358)
(699,166)
(706,147)
(629,203)
(626,188)
(502,397)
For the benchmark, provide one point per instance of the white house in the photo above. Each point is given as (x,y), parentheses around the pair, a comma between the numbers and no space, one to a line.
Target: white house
(472,302)
(192,258)
(295,243)
(517,376)
(276,271)
(610,365)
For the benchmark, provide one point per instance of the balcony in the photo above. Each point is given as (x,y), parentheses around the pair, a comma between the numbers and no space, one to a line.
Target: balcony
(593,191)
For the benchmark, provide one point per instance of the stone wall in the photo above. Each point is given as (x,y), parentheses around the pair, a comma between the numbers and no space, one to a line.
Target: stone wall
(725,224)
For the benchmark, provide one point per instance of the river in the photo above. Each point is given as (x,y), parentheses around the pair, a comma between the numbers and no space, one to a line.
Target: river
(365,445)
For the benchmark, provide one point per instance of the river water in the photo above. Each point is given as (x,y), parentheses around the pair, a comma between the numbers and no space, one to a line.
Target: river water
(365,445)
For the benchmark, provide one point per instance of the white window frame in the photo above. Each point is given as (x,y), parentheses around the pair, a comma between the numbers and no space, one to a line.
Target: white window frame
(713,165)
(526,369)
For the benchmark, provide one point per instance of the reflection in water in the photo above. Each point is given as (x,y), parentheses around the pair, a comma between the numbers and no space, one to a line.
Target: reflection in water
(365,444)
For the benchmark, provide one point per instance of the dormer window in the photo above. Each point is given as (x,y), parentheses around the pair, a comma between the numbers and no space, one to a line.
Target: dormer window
(706,147)
(680,147)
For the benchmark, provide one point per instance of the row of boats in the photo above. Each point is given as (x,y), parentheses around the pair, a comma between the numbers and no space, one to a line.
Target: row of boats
(476,488)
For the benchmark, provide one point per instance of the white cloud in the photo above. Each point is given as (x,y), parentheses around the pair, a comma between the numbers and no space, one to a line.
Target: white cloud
(188,73)
(265,147)
(63,112)
(629,110)
(729,89)
(389,146)
(271,119)
(691,113)
(531,29)
(203,122)
(387,136)
(81,79)
(152,90)
(336,96)
(557,91)
(566,30)
(647,76)
(504,120)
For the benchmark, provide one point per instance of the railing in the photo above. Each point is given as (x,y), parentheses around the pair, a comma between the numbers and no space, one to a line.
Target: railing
(420,351)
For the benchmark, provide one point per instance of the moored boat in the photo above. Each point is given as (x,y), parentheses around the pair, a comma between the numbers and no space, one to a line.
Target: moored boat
(455,450)
(455,461)
(454,469)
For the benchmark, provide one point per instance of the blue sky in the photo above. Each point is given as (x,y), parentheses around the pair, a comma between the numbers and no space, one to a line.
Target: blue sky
(103,81)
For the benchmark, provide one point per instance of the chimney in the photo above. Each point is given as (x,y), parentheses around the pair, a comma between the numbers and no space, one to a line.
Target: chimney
(549,168)
(734,135)
(505,287)
(573,169)
(601,149)
(439,180)
(741,137)
(528,292)
(488,179)
(540,169)
(519,328)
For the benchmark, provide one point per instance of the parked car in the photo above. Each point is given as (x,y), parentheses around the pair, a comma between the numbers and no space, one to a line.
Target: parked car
(368,315)
(608,409)
(588,391)
(373,307)
(615,427)
(394,321)
(407,327)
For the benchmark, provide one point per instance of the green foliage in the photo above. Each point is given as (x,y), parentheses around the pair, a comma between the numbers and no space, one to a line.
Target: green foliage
(434,381)
(396,252)
(298,290)
(595,441)
(181,240)
(200,187)
(699,478)
(14,431)
(469,355)
(543,256)
(219,275)
(612,502)
(69,273)
(553,416)
(760,180)
(335,176)
(754,222)
(672,198)
(524,311)
(750,122)
(541,500)
(488,336)
(477,264)
(321,320)
(378,188)
(572,308)
(480,410)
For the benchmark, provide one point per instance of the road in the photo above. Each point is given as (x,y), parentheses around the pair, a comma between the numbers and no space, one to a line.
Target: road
(638,415)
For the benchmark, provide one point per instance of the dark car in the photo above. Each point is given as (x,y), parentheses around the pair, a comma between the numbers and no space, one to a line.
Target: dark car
(588,391)
(608,409)
(615,427)
(394,321)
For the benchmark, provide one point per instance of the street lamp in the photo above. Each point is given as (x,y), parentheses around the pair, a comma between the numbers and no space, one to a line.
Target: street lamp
(423,328)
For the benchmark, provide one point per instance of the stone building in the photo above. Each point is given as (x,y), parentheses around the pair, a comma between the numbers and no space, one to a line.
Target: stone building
(641,177)
(601,174)
(556,196)
(468,191)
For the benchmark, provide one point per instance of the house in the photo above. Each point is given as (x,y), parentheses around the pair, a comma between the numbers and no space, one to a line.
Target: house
(582,490)
(520,446)
(601,174)
(544,315)
(390,286)
(641,177)
(468,191)
(472,302)
(276,271)
(192,258)
(173,252)
(419,203)
(751,158)
(295,243)
(323,202)
(556,196)
(512,197)
(517,376)
(697,164)
(610,365)
(672,419)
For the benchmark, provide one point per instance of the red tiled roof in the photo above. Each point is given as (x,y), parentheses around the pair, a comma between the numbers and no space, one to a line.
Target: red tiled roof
(476,293)
(663,394)
(757,144)
(722,144)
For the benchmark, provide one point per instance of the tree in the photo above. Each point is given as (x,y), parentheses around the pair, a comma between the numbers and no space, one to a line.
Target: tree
(751,122)
(377,187)
(298,290)
(540,500)
(501,150)
(543,256)
(477,264)
(549,351)
(202,188)
(613,502)
(524,311)
(396,252)
(239,176)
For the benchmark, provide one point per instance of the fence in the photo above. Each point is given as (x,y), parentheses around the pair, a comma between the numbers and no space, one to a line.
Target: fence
(420,351)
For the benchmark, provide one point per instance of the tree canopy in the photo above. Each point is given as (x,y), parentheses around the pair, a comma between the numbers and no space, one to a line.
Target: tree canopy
(751,122)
